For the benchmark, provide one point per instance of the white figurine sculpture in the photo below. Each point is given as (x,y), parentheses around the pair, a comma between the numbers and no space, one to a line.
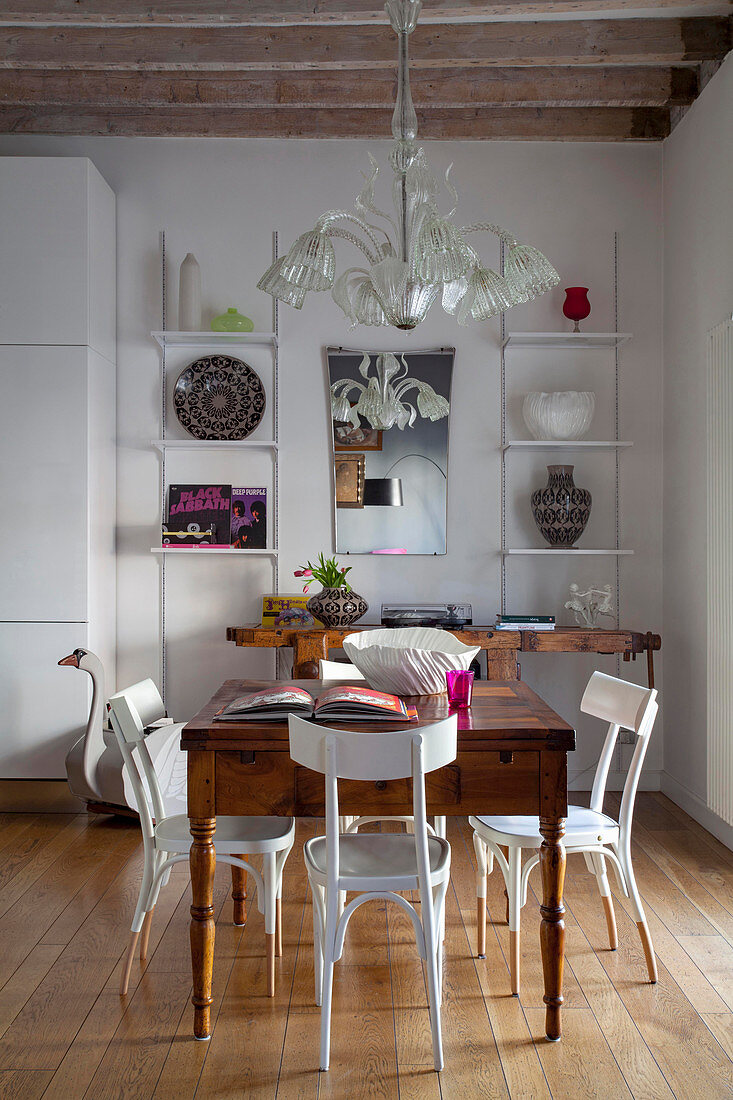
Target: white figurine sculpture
(588,605)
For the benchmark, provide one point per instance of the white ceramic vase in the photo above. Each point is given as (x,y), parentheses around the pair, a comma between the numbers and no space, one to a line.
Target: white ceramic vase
(189,295)
(563,415)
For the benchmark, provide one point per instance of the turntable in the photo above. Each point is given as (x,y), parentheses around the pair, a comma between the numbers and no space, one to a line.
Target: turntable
(445,616)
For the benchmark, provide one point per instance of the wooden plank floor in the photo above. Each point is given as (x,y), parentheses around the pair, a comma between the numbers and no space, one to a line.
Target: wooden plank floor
(68,886)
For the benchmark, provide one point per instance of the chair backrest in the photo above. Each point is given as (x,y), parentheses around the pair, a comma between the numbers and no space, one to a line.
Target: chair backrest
(372,756)
(129,728)
(338,670)
(146,700)
(627,706)
(393,754)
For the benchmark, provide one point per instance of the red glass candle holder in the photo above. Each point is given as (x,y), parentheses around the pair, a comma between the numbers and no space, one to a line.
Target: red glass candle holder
(576,306)
(460,687)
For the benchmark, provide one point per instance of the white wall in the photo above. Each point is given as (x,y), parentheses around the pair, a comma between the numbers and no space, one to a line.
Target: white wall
(220,199)
(698,276)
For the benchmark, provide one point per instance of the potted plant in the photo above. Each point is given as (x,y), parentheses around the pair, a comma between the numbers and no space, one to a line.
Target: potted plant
(336,604)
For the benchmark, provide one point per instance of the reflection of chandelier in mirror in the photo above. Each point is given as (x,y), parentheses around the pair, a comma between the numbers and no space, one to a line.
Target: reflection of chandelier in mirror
(380,400)
(425,254)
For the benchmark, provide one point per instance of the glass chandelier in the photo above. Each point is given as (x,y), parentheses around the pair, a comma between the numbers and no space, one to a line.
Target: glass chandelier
(421,254)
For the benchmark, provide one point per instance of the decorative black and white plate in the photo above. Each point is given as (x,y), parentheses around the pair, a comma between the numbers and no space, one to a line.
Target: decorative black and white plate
(219,397)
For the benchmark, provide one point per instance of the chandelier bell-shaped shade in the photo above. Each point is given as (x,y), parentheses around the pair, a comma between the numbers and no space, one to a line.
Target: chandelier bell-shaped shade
(487,295)
(272,282)
(311,262)
(441,255)
(431,405)
(414,253)
(528,273)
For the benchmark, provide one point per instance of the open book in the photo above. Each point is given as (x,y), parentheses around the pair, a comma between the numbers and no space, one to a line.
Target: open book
(334,704)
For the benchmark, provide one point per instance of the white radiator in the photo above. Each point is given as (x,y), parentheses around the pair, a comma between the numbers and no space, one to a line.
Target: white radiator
(720,569)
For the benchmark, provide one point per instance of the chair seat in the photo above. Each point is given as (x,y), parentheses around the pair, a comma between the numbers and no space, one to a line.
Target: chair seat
(583,826)
(233,836)
(384,861)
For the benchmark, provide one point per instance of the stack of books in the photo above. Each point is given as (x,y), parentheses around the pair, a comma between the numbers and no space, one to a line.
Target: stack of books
(525,622)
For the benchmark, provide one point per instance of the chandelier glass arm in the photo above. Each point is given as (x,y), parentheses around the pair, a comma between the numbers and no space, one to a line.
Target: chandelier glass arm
(489,227)
(344,234)
(369,231)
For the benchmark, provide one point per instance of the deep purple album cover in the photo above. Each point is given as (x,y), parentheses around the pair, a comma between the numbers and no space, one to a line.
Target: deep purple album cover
(249,519)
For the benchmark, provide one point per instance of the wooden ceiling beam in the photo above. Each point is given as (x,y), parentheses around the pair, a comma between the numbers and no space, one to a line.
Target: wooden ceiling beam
(591,42)
(521,123)
(637,86)
(304,12)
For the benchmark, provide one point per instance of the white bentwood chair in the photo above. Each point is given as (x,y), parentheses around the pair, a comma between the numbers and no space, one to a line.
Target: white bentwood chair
(344,670)
(375,865)
(590,831)
(130,712)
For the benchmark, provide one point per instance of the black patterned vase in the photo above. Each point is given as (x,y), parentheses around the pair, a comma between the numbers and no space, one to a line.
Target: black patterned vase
(337,606)
(561,510)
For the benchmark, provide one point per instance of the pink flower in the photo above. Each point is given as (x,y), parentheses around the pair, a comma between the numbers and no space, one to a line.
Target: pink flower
(302,573)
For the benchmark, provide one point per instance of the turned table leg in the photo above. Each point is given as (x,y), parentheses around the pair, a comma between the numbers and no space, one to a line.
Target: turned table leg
(239,895)
(203,862)
(552,929)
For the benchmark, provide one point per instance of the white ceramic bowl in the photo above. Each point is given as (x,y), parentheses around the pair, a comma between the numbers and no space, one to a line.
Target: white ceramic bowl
(564,415)
(407,661)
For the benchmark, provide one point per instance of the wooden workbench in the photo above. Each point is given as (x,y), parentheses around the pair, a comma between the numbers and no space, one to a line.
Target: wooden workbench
(503,648)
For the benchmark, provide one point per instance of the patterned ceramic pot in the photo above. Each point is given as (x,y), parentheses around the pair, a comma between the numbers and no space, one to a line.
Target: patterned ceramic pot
(337,606)
(561,510)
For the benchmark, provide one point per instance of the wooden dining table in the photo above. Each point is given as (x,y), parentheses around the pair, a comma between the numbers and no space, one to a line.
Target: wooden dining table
(512,759)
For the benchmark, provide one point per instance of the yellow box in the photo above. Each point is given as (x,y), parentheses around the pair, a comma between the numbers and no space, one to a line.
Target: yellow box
(290,611)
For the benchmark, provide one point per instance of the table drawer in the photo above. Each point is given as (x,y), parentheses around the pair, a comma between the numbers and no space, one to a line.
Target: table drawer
(263,786)
(392,796)
(500,782)
(489,782)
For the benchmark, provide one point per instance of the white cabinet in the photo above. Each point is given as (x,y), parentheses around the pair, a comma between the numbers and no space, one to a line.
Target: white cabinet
(57,253)
(57,452)
(44,707)
(43,498)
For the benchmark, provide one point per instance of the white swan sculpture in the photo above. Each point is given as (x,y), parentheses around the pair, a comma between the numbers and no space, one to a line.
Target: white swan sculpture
(94,763)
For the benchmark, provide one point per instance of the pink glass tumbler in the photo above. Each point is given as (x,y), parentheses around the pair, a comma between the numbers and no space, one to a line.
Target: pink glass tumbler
(460,687)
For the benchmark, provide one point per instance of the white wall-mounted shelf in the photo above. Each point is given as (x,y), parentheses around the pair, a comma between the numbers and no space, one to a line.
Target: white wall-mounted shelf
(585,340)
(214,339)
(566,550)
(204,460)
(205,551)
(212,444)
(565,445)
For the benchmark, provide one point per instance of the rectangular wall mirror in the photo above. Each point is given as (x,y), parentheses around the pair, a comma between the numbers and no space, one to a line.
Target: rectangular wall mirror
(390,414)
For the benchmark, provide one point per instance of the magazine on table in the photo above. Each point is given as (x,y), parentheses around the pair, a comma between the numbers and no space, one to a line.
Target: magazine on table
(334,704)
